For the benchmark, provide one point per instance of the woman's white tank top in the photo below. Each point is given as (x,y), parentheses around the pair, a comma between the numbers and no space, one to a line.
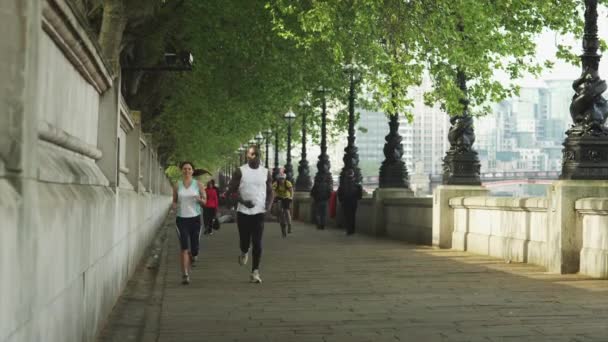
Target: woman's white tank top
(186,199)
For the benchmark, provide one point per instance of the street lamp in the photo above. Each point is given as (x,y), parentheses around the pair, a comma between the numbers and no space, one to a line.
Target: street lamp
(585,153)
(289,118)
(242,151)
(237,153)
(275,171)
(351,156)
(303,182)
(461,165)
(180,61)
(324,182)
(258,139)
(266,135)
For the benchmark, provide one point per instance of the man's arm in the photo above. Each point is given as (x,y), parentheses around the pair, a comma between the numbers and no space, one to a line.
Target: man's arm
(269,192)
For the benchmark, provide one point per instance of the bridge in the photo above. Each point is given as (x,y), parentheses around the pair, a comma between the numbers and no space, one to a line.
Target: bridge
(488,179)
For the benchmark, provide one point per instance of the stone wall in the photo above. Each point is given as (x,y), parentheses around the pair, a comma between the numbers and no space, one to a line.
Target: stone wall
(594,252)
(409,219)
(514,229)
(75,219)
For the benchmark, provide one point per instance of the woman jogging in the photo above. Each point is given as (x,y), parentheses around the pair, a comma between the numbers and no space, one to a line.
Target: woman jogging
(187,201)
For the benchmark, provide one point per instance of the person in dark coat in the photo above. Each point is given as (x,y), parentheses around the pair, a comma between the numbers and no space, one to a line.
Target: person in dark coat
(321,192)
(349,194)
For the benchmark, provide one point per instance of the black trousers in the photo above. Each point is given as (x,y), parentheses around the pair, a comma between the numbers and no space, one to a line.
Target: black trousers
(251,229)
(349,208)
(208,216)
(320,213)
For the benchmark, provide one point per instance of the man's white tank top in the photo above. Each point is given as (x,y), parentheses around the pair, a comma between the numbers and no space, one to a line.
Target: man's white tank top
(253,188)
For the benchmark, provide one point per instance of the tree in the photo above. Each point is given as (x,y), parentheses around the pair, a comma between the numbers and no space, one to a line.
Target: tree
(399,37)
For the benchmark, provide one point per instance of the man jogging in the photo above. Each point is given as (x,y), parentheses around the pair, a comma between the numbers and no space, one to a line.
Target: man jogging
(253,183)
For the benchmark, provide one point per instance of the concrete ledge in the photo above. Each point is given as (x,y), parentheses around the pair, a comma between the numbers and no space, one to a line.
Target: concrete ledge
(423,202)
(65,29)
(500,203)
(592,205)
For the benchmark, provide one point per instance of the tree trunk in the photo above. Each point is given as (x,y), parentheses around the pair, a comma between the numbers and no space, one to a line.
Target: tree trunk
(112,28)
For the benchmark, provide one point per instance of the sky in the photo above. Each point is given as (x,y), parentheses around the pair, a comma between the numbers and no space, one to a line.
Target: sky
(546,49)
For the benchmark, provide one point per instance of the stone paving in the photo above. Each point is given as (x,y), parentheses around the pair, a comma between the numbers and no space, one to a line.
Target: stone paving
(322,286)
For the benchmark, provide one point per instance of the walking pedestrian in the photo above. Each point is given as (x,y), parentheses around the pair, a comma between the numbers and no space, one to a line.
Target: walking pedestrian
(187,200)
(349,194)
(283,194)
(210,208)
(253,183)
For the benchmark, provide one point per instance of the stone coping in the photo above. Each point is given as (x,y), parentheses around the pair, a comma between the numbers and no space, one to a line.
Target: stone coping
(500,203)
(66,30)
(592,205)
(59,137)
(410,201)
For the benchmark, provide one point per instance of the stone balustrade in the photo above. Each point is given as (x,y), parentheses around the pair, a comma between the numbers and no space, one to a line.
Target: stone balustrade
(514,229)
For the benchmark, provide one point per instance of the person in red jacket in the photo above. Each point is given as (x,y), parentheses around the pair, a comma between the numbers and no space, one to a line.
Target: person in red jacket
(210,208)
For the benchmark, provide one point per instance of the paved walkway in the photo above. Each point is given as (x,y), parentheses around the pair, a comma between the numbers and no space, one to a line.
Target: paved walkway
(322,286)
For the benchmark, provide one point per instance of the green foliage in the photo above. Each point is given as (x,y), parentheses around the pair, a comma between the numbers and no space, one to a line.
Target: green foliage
(396,41)
(254,60)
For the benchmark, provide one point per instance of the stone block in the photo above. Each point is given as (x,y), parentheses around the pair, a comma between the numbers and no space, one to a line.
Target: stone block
(594,262)
(565,225)
(443,214)
(378,221)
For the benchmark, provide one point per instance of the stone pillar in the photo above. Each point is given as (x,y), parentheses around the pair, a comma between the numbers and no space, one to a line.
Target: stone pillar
(132,151)
(107,133)
(565,229)
(18,87)
(443,214)
(19,96)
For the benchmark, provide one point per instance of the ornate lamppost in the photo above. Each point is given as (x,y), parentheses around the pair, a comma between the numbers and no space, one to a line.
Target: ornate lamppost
(351,156)
(258,140)
(289,118)
(323,165)
(303,182)
(236,162)
(393,171)
(585,153)
(267,133)
(461,164)
(242,150)
(275,171)
(324,183)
